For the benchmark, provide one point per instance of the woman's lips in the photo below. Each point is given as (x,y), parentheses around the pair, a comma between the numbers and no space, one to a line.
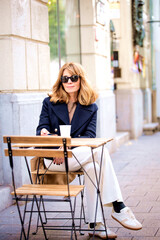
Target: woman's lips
(69,86)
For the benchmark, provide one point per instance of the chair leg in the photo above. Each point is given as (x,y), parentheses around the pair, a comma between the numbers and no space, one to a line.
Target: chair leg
(45,215)
(40,217)
(84,215)
(80,224)
(21,220)
(44,222)
(30,218)
(25,207)
(82,211)
(72,215)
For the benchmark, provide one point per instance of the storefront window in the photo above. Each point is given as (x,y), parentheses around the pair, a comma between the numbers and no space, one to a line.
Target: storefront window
(64,30)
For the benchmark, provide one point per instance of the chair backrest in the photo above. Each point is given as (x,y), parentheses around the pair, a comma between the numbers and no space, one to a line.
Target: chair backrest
(39,146)
(36,146)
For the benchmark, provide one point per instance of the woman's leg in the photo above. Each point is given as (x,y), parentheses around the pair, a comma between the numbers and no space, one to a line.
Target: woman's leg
(91,192)
(109,186)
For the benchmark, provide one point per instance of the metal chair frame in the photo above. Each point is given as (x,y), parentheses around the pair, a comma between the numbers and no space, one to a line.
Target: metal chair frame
(82,210)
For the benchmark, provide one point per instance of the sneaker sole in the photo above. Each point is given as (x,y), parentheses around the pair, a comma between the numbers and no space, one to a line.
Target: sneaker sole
(126,226)
(97,235)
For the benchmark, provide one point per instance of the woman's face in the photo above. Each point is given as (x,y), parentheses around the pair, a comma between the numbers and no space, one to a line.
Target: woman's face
(71,87)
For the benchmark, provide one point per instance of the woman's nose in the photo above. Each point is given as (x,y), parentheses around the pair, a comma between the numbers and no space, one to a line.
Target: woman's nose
(69,80)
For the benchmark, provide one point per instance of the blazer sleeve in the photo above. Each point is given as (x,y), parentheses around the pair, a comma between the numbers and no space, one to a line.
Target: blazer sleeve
(44,121)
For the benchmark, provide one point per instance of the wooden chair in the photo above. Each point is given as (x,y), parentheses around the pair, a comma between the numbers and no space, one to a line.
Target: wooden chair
(33,146)
(42,175)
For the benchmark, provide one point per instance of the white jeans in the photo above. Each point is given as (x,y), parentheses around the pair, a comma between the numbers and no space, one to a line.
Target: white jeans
(109,186)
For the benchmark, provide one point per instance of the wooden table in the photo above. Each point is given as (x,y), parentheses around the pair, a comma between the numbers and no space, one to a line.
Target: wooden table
(75,142)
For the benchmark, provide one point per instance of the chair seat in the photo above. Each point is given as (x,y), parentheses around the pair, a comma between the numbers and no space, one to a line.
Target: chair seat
(43,171)
(49,190)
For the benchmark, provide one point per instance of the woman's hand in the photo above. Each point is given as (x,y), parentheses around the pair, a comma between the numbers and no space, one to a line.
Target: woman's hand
(44,132)
(58,160)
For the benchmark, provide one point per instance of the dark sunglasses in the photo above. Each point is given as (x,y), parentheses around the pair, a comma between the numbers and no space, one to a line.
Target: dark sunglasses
(74,78)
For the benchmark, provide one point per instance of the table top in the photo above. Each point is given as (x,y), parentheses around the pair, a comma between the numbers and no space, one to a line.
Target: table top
(75,142)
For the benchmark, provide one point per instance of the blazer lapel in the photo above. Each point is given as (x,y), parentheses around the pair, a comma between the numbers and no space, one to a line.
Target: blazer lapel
(81,115)
(60,110)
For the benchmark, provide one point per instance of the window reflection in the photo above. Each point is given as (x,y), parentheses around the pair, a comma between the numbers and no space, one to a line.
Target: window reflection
(64,30)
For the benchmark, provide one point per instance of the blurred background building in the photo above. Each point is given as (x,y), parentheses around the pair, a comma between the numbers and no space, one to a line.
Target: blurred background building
(117,42)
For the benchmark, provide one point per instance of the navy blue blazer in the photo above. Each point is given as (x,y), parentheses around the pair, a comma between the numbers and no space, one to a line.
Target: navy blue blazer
(83,123)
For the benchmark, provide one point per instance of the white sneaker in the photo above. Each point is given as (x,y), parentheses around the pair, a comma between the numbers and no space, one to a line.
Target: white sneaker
(127,219)
(102,234)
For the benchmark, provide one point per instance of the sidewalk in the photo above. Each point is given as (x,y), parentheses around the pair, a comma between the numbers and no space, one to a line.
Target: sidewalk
(137,164)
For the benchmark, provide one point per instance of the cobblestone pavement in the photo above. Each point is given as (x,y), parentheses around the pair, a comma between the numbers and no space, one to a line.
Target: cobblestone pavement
(137,164)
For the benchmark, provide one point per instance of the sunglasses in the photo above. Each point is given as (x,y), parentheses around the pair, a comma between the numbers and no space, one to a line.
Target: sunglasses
(74,78)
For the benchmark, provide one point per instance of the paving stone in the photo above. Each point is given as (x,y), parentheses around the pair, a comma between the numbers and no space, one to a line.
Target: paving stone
(144,232)
(140,209)
(155,209)
(144,238)
(151,222)
(158,233)
(132,202)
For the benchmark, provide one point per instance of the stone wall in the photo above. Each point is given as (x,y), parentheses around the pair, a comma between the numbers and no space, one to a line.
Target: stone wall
(24,49)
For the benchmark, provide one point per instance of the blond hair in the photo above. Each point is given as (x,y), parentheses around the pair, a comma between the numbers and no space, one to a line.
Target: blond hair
(86,95)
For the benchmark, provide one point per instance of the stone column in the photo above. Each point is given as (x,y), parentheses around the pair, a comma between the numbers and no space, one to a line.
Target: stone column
(129,96)
(95,43)
(72,36)
(155,61)
(25,77)
(146,79)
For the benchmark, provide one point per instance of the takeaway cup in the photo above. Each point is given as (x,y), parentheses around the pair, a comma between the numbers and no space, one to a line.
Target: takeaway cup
(65,130)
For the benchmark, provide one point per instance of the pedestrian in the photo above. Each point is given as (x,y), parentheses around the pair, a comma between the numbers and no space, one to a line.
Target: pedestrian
(72,101)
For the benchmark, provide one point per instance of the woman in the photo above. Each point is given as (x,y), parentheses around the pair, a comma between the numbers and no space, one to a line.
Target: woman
(72,102)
